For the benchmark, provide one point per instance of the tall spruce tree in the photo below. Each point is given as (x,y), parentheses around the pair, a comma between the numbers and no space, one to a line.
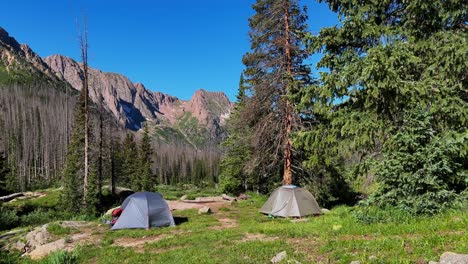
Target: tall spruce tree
(72,178)
(130,164)
(233,177)
(274,70)
(387,62)
(147,179)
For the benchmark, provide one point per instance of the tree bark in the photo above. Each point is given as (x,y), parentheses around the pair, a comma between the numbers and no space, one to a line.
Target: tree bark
(287,166)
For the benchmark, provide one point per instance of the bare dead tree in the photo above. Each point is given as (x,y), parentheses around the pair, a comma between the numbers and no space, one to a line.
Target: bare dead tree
(83,38)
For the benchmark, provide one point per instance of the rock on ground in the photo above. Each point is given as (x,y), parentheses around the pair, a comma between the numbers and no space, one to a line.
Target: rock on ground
(204,210)
(62,244)
(37,237)
(453,258)
(279,257)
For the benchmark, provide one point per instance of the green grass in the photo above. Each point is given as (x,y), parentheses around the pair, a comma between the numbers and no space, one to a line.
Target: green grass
(175,192)
(58,230)
(341,236)
(50,201)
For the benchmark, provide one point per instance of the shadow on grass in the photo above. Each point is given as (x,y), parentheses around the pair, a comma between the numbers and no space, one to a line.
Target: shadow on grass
(180,220)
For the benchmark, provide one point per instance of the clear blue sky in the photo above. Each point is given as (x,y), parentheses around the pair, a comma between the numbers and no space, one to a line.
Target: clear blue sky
(172,46)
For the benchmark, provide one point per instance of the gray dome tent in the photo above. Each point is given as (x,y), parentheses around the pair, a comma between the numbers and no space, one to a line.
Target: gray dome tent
(291,201)
(144,210)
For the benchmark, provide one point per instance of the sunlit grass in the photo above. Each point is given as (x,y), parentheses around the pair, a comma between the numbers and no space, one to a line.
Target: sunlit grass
(341,236)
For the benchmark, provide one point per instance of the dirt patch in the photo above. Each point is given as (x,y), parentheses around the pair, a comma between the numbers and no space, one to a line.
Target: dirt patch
(310,247)
(225,224)
(181,205)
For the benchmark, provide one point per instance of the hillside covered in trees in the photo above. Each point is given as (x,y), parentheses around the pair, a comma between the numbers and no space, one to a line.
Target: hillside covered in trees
(39,99)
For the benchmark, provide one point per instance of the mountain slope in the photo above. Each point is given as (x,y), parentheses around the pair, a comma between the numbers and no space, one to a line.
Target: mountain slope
(132,104)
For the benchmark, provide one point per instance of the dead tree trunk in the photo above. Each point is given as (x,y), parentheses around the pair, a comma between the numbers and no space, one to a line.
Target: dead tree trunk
(287,170)
(84,58)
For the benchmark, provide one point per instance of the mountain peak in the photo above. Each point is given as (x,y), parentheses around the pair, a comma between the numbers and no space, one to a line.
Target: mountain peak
(6,40)
(204,94)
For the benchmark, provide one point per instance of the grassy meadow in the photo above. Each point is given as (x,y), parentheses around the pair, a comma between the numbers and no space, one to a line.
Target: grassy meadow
(237,233)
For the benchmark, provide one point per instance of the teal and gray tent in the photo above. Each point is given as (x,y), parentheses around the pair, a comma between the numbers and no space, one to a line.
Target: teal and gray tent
(144,210)
(291,201)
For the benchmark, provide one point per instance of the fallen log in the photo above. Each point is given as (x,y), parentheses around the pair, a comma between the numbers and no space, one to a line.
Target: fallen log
(199,201)
(11,197)
(229,198)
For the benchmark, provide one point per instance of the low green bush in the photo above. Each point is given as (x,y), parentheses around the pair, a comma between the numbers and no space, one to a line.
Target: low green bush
(8,218)
(63,257)
(372,214)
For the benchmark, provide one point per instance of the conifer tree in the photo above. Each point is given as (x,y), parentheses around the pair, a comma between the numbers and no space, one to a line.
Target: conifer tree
(72,178)
(4,174)
(116,159)
(233,177)
(387,61)
(146,175)
(274,71)
(130,169)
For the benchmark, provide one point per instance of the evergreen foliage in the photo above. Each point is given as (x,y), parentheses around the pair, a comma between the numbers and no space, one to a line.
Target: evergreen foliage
(147,179)
(4,175)
(274,70)
(385,62)
(129,165)
(233,177)
(72,195)
(422,170)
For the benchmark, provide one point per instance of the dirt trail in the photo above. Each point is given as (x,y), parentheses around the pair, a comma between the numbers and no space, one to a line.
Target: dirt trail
(180,205)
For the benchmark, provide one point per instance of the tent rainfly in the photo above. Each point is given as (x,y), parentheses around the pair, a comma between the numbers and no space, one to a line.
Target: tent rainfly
(291,201)
(144,210)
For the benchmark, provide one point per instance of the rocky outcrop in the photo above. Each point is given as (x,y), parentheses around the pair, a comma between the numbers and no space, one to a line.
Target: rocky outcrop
(15,56)
(133,104)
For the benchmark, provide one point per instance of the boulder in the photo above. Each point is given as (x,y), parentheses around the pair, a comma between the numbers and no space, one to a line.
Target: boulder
(243,196)
(325,211)
(279,257)
(184,197)
(453,258)
(204,210)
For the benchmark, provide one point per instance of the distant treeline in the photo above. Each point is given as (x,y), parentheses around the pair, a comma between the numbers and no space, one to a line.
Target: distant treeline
(36,122)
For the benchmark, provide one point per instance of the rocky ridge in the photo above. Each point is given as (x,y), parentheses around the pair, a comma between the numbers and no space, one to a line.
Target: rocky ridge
(132,104)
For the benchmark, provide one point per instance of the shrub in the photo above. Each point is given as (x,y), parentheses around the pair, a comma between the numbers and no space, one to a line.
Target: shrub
(424,169)
(373,214)
(63,257)
(8,218)
(37,217)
